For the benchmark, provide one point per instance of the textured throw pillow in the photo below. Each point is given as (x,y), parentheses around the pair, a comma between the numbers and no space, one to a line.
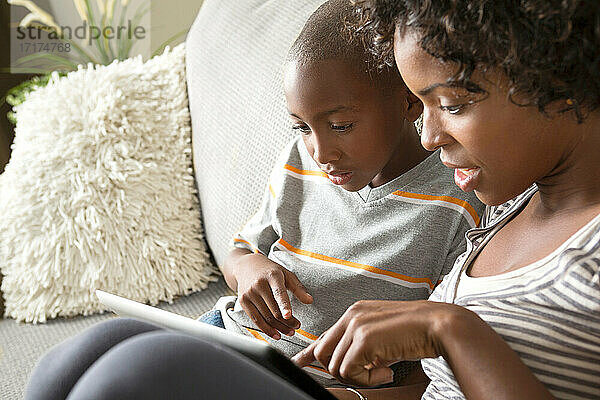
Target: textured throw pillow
(99,192)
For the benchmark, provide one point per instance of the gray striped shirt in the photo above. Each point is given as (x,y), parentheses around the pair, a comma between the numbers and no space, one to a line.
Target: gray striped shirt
(548,312)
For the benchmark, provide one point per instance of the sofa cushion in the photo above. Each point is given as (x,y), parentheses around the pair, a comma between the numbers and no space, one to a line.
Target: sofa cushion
(99,192)
(235,56)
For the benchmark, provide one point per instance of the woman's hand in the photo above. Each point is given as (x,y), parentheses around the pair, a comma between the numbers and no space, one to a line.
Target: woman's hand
(372,335)
(262,287)
(410,392)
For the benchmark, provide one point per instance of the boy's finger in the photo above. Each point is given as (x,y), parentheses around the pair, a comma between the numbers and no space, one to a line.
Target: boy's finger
(266,291)
(286,326)
(257,318)
(269,318)
(296,287)
(280,294)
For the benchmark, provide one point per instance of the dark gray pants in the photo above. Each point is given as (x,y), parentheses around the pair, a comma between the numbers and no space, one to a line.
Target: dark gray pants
(129,359)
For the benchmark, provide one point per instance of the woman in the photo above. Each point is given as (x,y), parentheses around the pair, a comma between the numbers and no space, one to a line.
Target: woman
(511,93)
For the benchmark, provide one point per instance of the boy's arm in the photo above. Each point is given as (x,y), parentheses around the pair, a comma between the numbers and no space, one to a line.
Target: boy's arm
(227,268)
(262,286)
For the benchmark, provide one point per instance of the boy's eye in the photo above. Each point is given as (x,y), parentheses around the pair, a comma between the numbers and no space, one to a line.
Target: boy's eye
(303,128)
(341,127)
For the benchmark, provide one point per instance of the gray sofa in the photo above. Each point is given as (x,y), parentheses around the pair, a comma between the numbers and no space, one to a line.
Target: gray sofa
(235,51)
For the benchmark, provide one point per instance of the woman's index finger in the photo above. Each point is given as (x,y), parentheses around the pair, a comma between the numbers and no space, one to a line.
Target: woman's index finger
(305,357)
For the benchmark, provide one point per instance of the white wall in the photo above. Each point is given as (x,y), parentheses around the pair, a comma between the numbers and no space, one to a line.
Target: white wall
(169,17)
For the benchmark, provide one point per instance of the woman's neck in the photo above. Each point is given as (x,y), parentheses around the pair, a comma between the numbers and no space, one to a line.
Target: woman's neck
(574,184)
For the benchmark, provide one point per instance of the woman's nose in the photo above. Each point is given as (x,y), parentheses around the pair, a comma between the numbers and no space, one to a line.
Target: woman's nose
(433,135)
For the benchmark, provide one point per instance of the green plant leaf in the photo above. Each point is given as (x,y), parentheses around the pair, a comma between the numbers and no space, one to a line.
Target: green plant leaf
(84,54)
(120,45)
(92,21)
(11,116)
(139,13)
(111,22)
(24,70)
(17,94)
(167,42)
(47,56)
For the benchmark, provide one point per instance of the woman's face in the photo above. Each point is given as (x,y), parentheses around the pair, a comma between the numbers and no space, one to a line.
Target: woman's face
(495,147)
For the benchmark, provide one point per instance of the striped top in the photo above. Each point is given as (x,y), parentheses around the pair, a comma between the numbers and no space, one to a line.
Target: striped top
(548,312)
(392,242)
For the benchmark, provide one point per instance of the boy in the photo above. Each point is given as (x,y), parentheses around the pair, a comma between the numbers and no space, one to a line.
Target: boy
(355,207)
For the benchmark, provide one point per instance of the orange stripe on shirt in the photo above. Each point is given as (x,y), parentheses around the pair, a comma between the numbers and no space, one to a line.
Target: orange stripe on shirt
(318,369)
(272,191)
(365,267)
(256,334)
(304,171)
(469,208)
(306,334)
(238,240)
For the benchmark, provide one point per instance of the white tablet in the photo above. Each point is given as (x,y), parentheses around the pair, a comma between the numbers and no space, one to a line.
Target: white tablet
(256,350)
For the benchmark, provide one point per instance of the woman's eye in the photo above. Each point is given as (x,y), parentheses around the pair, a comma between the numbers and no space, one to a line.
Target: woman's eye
(304,129)
(341,127)
(453,109)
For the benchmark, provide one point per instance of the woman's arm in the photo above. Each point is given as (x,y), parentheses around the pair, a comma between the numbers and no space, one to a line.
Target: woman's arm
(372,335)
(483,363)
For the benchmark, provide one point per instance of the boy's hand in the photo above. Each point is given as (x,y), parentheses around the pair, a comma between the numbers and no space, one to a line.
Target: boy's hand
(262,287)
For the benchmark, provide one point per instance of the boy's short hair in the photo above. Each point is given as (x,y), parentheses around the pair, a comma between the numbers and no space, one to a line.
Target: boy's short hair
(327,35)
(549,49)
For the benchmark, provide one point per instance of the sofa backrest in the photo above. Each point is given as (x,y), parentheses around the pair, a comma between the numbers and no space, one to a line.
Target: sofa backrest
(235,55)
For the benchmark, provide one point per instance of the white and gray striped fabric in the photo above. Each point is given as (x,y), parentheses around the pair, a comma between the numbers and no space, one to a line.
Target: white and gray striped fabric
(548,312)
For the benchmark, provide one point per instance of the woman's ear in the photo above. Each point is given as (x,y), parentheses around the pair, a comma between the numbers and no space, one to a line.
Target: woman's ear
(415,107)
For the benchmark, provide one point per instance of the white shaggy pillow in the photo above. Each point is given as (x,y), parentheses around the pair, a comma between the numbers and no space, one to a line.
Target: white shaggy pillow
(99,192)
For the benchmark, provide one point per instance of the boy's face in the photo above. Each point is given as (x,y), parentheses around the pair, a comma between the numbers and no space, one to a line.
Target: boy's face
(351,129)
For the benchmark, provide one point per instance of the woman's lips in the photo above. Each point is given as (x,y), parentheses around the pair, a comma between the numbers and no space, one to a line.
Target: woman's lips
(466,178)
(340,178)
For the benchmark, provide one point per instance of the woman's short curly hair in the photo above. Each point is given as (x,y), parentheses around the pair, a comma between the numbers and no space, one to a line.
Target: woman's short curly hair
(549,49)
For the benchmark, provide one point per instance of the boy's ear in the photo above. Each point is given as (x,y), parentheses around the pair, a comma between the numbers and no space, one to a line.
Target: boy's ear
(415,107)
